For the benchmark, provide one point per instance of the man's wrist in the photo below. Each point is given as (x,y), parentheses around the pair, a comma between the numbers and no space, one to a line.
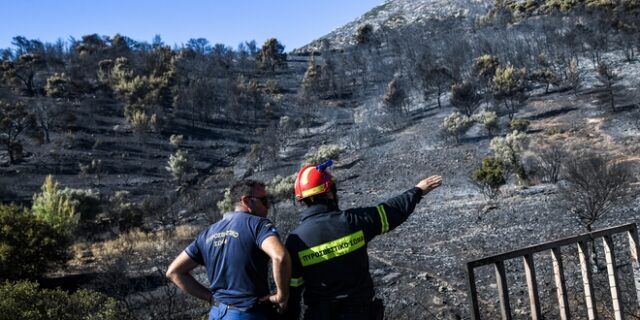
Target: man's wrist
(282,296)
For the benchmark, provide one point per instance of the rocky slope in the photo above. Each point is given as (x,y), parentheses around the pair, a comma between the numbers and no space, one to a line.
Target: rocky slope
(397,13)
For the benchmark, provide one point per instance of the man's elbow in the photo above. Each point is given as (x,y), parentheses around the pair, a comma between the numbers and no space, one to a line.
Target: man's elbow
(279,258)
(170,275)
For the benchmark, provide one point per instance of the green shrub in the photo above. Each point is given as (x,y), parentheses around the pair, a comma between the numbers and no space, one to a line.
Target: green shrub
(225,205)
(488,119)
(323,153)
(55,208)
(85,202)
(519,125)
(485,66)
(25,300)
(281,188)
(176,140)
(28,245)
(553,131)
(179,165)
(456,124)
(123,213)
(489,177)
(57,85)
(509,149)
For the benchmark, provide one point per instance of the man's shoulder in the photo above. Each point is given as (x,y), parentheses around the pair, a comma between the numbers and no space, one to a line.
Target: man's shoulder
(243,220)
(243,217)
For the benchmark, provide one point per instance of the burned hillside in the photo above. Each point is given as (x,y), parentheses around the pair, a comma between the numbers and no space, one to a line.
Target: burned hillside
(502,99)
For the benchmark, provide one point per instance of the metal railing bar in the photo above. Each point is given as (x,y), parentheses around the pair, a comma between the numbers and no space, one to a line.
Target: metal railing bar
(635,264)
(503,290)
(587,281)
(473,297)
(532,285)
(610,258)
(549,245)
(561,287)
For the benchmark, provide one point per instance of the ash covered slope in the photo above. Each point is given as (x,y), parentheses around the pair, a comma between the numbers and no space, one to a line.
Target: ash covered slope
(398,13)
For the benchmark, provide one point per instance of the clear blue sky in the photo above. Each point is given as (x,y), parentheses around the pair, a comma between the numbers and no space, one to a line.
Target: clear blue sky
(293,22)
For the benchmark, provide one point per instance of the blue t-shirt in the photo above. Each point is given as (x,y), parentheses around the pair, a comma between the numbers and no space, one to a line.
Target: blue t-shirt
(236,265)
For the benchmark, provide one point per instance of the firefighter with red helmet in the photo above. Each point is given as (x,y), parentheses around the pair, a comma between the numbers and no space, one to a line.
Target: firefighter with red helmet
(329,247)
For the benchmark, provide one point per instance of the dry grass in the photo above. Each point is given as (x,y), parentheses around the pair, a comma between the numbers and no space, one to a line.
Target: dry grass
(136,241)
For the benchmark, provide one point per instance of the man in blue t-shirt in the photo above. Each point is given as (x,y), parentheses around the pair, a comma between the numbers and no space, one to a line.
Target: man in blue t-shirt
(235,252)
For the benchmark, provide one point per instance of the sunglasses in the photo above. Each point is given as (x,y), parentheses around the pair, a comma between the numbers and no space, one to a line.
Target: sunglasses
(265,200)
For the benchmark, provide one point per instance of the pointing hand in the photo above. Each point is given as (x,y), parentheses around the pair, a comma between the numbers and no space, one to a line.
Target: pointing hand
(430,183)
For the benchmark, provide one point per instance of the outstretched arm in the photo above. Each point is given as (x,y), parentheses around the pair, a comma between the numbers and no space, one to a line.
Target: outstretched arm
(394,211)
(179,273)
(281,269)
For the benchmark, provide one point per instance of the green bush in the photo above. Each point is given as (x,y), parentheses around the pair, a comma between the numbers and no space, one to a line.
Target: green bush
(179,165)
(489,177)
(519,125)
(25,300)
(553,131)
(28,245)
(323,153)
(176,140)
(57,85)
(225,205)
(456,124)
(489,119)
(123,213)
(55,208)
(485,66)
(509,151)
(86,202)
(281,188)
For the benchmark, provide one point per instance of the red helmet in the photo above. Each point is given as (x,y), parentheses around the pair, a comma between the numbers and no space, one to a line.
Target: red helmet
(312,181)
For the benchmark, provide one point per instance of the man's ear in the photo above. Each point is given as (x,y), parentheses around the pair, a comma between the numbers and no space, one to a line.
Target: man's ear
(246,201)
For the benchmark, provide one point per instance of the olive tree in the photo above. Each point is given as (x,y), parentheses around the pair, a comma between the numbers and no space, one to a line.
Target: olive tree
(508,87)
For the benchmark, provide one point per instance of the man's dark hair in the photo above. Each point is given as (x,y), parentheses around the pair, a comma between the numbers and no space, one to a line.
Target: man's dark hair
(243,188)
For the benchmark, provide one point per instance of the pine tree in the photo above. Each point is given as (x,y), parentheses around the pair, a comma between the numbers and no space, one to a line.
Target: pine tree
(272,55)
